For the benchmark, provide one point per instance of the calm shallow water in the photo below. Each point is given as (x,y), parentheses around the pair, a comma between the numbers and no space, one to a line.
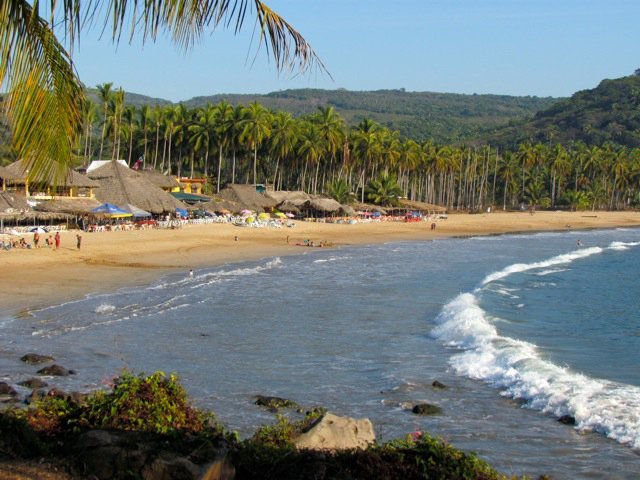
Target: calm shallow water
(522,329)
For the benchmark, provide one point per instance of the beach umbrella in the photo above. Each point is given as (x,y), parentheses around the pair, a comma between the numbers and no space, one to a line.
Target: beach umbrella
(289,215)
(182,213)
(263,216)
(246,212)
(111,210)
(137,212)
(279,215)
(250,220)
(38,230)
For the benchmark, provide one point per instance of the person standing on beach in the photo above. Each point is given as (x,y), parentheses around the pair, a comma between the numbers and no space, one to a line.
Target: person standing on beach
(36,239)
(78,241)
(57,240)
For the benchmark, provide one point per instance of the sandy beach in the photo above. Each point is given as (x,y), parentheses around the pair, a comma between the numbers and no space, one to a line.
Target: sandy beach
(111,260)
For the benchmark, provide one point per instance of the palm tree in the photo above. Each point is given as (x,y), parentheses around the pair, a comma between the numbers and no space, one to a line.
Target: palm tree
(339,190)
(222,124)
(310,148)
(145,118)
(284,134)
(236,125)
(384,190)
(201,132)
(257,126)
(105,94)
(44,95)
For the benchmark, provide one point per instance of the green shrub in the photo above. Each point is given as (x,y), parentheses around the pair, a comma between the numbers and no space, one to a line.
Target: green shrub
(154,403)
(285,431)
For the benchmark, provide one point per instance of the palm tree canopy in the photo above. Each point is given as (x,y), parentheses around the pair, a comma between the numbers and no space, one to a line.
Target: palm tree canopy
(44,95)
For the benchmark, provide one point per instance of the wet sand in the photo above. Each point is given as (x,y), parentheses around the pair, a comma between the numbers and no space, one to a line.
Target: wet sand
(111,260)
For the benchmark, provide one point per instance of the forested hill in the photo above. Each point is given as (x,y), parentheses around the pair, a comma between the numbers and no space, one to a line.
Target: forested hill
(608,113)
(443,117)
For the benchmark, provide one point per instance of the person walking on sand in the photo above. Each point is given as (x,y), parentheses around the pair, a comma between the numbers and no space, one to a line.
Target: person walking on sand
(78,241)
(36,239)
(57,240)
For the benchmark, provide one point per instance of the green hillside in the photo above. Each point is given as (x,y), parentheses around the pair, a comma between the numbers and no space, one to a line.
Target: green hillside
(443,117)
(608,113)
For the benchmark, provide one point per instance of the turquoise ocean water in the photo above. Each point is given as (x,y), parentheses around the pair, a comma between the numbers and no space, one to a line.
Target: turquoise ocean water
(522,329)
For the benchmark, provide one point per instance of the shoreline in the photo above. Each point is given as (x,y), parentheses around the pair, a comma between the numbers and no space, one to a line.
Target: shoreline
(109,261)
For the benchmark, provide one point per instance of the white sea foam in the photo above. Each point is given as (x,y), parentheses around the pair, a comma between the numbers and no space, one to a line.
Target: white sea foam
(104,308)
(551,271)
(623,245)
(516,368)
(563,259)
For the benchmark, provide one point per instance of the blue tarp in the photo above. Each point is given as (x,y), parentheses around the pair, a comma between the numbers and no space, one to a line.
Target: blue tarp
(181,212)
(109,209)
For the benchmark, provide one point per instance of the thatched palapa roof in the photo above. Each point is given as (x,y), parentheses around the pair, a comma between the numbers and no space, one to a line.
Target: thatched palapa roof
(166,182)
(121,186)
(420,206)
(13,203)
(17,172)
(247,197)
(326,205)
(71,205)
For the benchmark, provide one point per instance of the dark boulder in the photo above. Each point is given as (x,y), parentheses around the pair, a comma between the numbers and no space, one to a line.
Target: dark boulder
(426,409)
(34,358)
(33,383)
(437,384)
(6,389)
(35,396)
(274,403)
(56,371)
(567,419)
(8,394)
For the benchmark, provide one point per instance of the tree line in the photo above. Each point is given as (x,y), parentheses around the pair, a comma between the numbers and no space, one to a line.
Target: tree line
(320,153)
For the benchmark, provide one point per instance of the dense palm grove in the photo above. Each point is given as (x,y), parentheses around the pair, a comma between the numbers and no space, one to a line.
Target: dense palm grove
(319,153)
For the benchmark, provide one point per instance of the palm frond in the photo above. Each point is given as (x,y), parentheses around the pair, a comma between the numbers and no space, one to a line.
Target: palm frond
(43,99)
(188,20)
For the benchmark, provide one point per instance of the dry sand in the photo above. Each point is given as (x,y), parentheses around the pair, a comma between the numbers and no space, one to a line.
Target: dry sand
(111,260)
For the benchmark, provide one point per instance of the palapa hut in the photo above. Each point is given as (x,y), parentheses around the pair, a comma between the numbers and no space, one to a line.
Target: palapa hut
(121,186)
(15,211)
(321,207)
(15,177)
(13,203)
(219,205)
(289,201)
(415,206)
(168,183)
(247,197)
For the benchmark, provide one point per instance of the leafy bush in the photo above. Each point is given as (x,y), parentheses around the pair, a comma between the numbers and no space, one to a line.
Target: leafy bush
(282,434)
(154,403)
(414,457)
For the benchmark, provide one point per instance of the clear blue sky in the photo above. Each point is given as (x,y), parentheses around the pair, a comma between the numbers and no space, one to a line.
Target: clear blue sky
(511,47)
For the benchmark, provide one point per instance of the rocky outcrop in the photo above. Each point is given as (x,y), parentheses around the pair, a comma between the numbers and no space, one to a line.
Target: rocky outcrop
(104,454)
(35,358)
(56,371)
(332,432)
(274,403)
(426,409)
(567,419)
(437,384)
(33,383)
(7,392)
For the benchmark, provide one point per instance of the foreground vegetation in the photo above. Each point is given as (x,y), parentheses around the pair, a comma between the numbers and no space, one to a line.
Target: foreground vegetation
(156,407)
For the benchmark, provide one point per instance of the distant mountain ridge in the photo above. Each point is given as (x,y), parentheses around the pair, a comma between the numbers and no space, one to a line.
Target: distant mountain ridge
(608,113)
(443,117)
